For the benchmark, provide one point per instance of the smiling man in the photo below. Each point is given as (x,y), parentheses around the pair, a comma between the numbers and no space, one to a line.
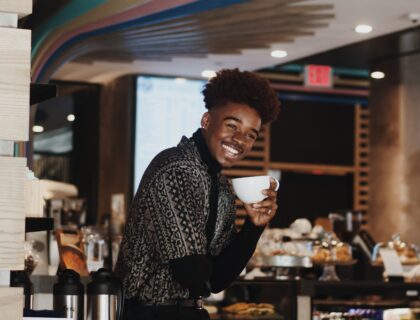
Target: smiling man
(180,243)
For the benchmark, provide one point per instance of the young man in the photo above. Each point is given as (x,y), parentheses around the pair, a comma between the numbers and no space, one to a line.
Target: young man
(179,243)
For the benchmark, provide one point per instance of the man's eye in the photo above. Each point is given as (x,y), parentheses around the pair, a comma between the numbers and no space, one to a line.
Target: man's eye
(251,136)
(231,126)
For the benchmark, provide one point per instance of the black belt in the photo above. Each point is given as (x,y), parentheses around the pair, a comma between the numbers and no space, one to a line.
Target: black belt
(196,303)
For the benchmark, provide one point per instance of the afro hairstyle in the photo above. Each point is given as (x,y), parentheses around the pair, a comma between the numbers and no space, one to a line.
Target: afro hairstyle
(232,85)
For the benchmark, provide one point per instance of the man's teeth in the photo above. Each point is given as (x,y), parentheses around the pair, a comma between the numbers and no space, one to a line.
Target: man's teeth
(231,150)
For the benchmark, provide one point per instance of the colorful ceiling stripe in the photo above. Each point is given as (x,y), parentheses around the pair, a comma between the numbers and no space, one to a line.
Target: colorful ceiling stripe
(57,40)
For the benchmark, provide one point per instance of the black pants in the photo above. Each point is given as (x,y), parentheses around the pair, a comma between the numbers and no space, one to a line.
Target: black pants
(134,311)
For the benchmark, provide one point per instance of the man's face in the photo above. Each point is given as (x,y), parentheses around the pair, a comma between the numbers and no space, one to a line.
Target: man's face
(230,131)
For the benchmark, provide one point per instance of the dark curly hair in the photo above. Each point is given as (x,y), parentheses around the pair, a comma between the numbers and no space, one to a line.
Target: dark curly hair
(242,87)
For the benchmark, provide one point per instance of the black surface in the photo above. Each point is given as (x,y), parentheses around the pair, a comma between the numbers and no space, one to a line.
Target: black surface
(41,92)
(44,313)
(311,196)
(85,156)
(20,279)
(360,288)
(314,133)
(33,224)
(41,11)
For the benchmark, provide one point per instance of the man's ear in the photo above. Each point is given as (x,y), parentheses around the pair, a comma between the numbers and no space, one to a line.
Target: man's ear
(205,120)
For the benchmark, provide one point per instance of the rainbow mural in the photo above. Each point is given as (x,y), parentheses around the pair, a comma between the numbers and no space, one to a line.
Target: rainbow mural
(71,32)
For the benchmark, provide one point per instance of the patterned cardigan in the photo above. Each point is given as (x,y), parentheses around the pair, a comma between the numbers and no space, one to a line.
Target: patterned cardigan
(167,220)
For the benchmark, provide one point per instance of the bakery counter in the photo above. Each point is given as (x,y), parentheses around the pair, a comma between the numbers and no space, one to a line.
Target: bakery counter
(280,294)
(301,299)
(291,299)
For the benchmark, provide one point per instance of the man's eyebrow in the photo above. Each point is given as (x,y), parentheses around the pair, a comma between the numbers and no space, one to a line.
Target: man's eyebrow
(240,121)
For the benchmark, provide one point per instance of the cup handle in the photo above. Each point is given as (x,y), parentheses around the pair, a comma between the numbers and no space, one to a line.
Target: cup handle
(277,184)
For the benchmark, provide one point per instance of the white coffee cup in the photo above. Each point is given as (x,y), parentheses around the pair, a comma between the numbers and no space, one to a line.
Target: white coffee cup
(249,189)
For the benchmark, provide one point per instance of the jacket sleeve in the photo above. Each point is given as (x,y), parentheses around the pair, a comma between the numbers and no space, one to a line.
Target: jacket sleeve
(193,272)
(233,259)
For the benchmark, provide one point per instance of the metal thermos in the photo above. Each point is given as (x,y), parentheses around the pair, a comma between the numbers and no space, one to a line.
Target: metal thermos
(21,279)
(69,295)
(104,296)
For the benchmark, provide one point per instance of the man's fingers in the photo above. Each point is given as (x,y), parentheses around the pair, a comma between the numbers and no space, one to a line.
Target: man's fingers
(270,193)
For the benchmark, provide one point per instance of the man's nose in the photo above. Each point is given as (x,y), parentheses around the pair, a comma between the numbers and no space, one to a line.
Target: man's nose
(239,137)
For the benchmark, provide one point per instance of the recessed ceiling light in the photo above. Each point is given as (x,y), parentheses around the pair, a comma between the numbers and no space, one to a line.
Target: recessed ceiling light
(71,118)
(377,75)
(208,74)
(180,80)
(38,129)
(278,53)
(363,28)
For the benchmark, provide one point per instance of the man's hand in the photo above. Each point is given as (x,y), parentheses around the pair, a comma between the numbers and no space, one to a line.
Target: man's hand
(262,212)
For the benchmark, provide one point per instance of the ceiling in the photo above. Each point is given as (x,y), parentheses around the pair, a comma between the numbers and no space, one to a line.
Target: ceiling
(107,39)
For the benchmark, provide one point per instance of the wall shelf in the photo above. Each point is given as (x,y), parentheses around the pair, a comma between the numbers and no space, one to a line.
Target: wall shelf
(311,168)
(33,224)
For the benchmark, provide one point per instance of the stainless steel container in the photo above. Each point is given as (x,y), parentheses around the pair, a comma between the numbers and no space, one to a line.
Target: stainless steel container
(102,306)
(104,296)
(69,295)
(71,304)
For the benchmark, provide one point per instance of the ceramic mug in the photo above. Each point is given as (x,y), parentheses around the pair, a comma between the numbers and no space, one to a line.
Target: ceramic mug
(249,189)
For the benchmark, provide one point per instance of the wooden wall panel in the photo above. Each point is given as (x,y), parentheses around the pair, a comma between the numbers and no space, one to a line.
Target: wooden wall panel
(115,142)
(12,212)
(11,302)
(21,7)
(395,150)
(15,49)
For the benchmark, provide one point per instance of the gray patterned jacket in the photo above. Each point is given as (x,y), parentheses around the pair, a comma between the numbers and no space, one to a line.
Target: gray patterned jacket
(167,220)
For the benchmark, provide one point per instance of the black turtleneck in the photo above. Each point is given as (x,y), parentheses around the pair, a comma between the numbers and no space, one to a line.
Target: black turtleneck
(214,169)
(195,271)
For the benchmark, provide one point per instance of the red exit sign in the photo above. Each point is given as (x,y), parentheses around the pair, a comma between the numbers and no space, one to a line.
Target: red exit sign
(318,76)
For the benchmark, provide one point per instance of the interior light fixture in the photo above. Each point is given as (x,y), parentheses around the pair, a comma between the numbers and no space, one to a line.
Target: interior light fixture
(363,28)
(208,74)
(71,117)
(180,80)
(278,53)
(37,129)
(377,75)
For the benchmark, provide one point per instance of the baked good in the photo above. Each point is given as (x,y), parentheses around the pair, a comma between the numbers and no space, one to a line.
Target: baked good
(238,307)
(250,309)
(321,255)
(342,253)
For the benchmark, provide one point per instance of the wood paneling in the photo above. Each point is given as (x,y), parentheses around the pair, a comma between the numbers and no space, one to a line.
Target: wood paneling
(15,48)
(22,7)
(12,212)
(361,159)
(249,25)
(394,202)
(11,302)
(115,139)
(310,168)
